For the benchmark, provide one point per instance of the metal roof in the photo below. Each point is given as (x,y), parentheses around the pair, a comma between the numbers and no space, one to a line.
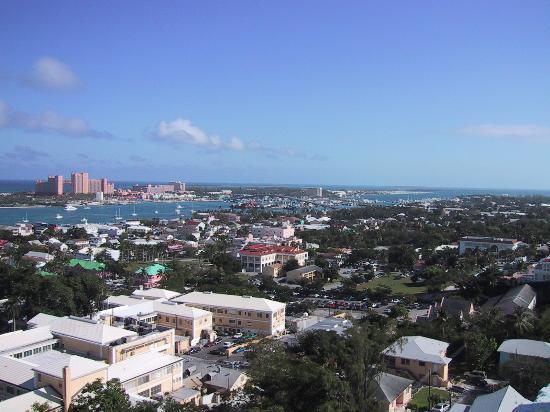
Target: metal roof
(419,348)
(526,347)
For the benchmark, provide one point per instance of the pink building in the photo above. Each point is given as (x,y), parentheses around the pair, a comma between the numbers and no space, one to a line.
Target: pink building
(52,186)
(80,182)
(282,232)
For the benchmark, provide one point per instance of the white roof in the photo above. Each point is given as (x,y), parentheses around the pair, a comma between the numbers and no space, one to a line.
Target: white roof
(139,365)
(81,329)
(526,347)
(419,348)
(230,301)
(123,300)
(21,338)
(25,402)
(17,372)
(145,307)
(52,363)
(504,400)
(156,293)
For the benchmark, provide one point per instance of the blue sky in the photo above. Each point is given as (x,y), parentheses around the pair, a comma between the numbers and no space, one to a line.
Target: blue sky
(435,93)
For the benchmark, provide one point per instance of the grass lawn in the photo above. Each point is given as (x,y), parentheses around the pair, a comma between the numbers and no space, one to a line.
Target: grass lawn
(420,400)
(402,286)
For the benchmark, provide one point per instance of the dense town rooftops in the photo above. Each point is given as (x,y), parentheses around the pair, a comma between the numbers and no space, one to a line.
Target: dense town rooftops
(230,301)
(420,348)
(261,250)
(526,347)
(482,239)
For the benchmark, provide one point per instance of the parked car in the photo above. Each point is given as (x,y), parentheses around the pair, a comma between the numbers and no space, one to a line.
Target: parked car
(194,350)
(228,344)
(457,389)
(218,352)
(476,376)
(237,335)
(440,407)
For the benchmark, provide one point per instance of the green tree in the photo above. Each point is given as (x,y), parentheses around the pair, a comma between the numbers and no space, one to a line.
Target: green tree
(291,264)
(104,397)
(479,349)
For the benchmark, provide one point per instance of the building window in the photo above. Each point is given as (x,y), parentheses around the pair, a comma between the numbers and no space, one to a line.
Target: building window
(144,393)
(420,363)
(143,379)
(9,389)
(39,377)
(155,390)
(405,361)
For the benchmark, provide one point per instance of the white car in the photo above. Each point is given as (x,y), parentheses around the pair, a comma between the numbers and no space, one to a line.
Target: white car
(227,344)
(237,335)
(440,407)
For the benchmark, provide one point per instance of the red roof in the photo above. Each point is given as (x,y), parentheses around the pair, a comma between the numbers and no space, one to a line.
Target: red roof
(260,250)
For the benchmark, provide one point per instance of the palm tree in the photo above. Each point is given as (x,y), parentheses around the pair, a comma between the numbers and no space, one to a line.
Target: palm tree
(523,322)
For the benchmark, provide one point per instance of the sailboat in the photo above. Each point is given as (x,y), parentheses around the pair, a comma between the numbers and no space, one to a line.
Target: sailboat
(58,216)
(26,220)
(134,214)
(117,215)
(156,212)
(177,211)
(178,206)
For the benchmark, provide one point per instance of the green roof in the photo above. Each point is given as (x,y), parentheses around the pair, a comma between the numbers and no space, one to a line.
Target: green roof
(152,270)
(46,274)
(86,264)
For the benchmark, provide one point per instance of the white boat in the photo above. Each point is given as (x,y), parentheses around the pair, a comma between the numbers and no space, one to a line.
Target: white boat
(87,208)
(84,220)
(117,215)
(134,214)
(177,211)
(178,207)
(58,216)
(70,208)
(156,212)
(26,220)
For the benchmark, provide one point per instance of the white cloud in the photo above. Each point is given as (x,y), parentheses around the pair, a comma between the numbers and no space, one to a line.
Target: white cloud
(51,74)
(47,122)
(182,131)
(527,132)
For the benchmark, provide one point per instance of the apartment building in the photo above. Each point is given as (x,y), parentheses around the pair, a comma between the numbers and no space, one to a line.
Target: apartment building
(487,243)
(255,257)
(303,274)
(421,357)
(155,293)
(542,270)
(100,341)
(52,186)
(184,320)
(281,232)
(66,374)
(148,374)
(23,343)
(234,314)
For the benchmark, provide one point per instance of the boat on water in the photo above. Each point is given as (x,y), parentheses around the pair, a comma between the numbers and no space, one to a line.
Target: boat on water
(117,215)
(58,216)
(177,211)
(178,206)
(134,213)
(70,208)
(26,220)
(87,207)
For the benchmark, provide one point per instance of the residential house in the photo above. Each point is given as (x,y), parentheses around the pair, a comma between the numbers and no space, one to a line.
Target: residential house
(519,297)
(303,274)
(421,357)
(504,400)
(523,350)
(392,392)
